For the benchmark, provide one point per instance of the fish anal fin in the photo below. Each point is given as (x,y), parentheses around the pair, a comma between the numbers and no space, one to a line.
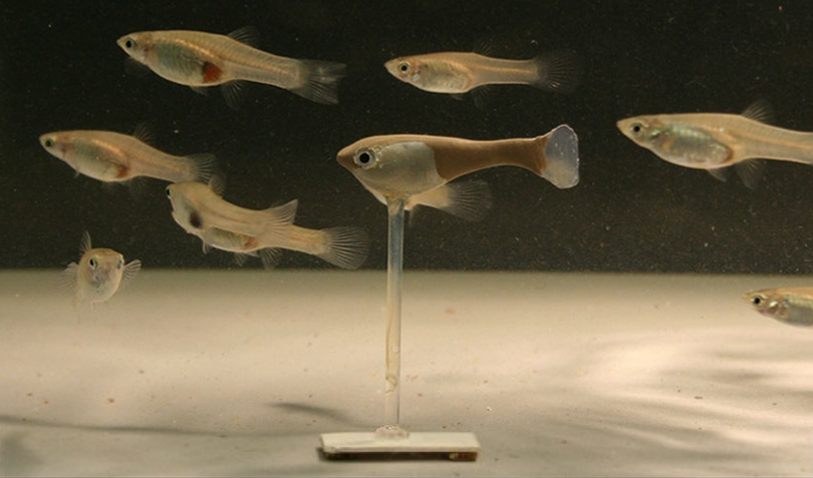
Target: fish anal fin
(720,174)
(248,35)
(234,93)
(270,256)
(201,90)
(751,172)
(760,110)
(144,133)
(468,200)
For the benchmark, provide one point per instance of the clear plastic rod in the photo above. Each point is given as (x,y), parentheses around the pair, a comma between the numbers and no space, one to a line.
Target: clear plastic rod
(395,272)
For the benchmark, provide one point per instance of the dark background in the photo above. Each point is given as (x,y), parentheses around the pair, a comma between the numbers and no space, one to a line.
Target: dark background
(61,69)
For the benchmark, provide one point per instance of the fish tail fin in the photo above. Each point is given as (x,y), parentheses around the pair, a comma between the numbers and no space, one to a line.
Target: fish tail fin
(557,71)
(345,247)
(468,200)
(321,81)
(204,167)
(558,159)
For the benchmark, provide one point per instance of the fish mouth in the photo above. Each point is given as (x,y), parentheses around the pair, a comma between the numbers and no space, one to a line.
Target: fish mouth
(625,126)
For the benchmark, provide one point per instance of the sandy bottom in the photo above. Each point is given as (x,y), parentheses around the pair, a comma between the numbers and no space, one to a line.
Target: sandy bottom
(237,373)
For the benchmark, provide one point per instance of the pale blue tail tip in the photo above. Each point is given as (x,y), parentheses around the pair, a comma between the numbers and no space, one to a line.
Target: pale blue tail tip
(562,154)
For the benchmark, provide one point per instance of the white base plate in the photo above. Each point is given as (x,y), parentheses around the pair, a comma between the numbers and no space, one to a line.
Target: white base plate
(452,445)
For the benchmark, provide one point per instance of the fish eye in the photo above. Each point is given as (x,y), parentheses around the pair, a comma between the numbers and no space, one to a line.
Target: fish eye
(637,127)
(403,67)
(169,192)
(49,143)
(365,158)
(756,300)
(129,43)
(93,263)
(120,264)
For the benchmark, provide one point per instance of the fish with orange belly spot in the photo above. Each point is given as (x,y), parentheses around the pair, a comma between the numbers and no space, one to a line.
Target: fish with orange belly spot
(200,210)
(201,60)
(417,168)
(115,157)
(99,273)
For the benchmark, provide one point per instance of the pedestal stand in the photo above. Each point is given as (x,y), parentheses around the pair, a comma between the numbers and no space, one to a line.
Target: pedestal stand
(391,440)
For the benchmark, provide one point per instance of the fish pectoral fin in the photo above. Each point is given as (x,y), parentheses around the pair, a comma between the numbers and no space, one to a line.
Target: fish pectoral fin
(248,35)
(720,174)
(130,271)
(135,68)
(760,110)
(234,92)
(206,247)
(69,276)
(751,172)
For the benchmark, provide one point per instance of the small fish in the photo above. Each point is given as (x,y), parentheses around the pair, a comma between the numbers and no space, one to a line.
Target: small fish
(99,273)
(198,60)
(115,157)
(791,305)
(458,72)
(714,142)
(200,210)
(417,168)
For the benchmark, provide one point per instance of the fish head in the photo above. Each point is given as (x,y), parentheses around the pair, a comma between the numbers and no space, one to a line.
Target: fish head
(185,212)
(645,131)
(137,45)
(57,143)
(767,302)
(100,272)
(392,166)
(407,69)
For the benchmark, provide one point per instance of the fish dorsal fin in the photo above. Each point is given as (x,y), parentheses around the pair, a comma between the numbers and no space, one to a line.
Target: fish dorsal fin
(484,46)
(750,172)
(760,110)
(85,244)
(248,35)
(285,214)
(144,133)
(217,184)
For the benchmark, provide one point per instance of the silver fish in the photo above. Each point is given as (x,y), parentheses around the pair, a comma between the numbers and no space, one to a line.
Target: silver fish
(199,59)
(115,157)
(417,168)
(791,305)
(714,142)
(459,72)
(200,210)
(99,273)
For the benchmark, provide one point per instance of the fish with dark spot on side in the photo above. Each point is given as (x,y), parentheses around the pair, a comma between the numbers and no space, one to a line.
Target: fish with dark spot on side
(200,60)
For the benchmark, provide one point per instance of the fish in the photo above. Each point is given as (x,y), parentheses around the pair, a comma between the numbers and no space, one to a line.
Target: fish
(200,210)
(791,305)
(99,274)
(114,157)
(200,60)
(460,72)
(418,168)
(716,141)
